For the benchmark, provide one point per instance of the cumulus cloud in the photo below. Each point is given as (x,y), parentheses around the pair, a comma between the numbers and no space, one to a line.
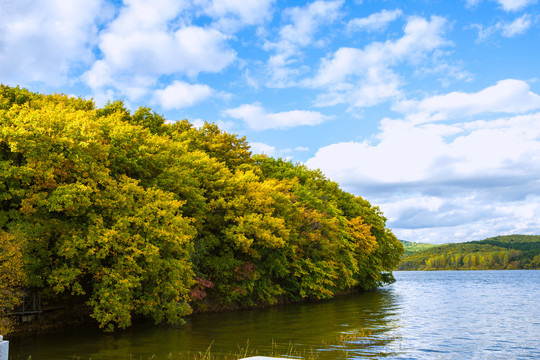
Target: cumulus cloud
(378,84)
(188,50)
(507,96)
(150,40)
(475,220)
(374,22)
(421,36)
(517,27)
(44,41)
(198,123)
(230,15)
(303,23)
(181,94)
(514,5)
(261,148)
(465,218)
(446,182)
(257,118)
(507,29)
(445,178)
(365,77)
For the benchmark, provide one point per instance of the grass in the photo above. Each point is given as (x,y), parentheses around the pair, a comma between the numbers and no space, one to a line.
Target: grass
(247,352)
(241,353)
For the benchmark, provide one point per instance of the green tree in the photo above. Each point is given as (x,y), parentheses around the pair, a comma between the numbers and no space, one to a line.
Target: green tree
(93,231)
(130,214)
(12,277)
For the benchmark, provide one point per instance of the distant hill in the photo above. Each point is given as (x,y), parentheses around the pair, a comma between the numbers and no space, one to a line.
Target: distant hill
(500,252)
(414,247)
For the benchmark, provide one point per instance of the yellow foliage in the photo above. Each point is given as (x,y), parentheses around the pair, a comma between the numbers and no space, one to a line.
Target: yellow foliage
(12,277)
(361,233)
(137,214)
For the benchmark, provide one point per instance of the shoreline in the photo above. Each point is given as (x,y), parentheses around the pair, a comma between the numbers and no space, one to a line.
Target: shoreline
(79,316)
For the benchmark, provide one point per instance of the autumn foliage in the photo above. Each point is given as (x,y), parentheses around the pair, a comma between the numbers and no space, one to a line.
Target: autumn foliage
(12,278)
(133,215)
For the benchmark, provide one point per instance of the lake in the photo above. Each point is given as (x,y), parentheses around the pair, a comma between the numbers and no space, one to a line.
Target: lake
(424,315)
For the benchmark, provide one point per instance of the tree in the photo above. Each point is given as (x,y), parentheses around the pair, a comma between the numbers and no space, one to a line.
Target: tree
(132,215)
(12,277)
(93,231)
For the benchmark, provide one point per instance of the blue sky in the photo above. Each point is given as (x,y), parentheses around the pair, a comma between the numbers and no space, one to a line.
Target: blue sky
(429,109)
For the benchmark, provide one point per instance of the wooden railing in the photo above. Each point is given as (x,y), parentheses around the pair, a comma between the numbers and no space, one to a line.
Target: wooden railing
(30,307)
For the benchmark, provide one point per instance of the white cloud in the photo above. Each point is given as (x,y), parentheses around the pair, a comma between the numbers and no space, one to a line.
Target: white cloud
(450,182)
(381,163)
(261,148)
(421,36)
(304,23)
(181,94)
(465,218)
(150,39)
(364,77)
(43,41)
(514,5)
(517,27)
(281,73)
(257,118)
(455,182)
(306,20)
(507,29)
(188,50)
(506,5)
(374,22)
(445,73)
(227,126)
(472,3)
(198,123)
(377,85)
(507,96)
(444,179)
(231,15)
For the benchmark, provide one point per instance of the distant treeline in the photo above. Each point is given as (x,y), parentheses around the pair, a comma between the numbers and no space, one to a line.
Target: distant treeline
(130,214)
(500,252)
(413,247)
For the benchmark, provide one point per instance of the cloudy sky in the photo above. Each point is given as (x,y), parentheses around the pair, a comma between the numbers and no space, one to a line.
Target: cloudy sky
(429,109)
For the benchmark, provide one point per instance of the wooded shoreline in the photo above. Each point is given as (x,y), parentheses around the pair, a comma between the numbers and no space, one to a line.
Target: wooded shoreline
(509,252)
(135,216)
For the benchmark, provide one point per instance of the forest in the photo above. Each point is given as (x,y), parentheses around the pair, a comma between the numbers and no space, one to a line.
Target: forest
(496,253)
(135,216)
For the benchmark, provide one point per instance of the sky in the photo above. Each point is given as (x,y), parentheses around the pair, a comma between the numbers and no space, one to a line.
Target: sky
(428,109)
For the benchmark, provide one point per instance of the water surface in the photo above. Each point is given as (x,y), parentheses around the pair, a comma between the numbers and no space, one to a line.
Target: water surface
(424,315)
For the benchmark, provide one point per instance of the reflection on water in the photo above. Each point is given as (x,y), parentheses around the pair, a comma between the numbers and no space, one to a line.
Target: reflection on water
(358,324)
(425,315)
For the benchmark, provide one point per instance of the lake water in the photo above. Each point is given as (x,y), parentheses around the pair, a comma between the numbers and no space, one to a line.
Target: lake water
(424,315)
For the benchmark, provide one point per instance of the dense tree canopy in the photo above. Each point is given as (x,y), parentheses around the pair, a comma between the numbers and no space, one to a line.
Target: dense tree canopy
(12,278)
(133,215)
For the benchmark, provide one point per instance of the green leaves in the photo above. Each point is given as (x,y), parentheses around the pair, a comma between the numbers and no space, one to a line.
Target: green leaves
(133,215)
(12,276)
(79,187)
